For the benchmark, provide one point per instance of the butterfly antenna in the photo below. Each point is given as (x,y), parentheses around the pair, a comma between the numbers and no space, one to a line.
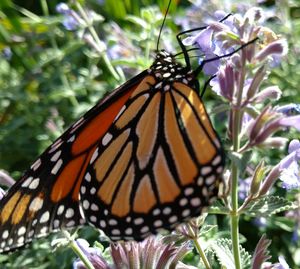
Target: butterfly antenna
(162,25)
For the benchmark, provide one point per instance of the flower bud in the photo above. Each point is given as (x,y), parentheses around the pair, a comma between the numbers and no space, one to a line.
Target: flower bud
(276,47)
(259,174)
(272,92)
(256,81)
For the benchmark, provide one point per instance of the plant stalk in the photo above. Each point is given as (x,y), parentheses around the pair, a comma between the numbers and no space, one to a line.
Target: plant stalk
(237,122)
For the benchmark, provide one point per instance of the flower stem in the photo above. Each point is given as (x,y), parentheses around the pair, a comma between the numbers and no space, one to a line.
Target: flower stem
(237,121)
(78,251)
(100,45)
(199,249)
(201,253)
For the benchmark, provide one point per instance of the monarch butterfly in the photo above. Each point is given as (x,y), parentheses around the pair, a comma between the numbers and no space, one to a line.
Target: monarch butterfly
(145,157)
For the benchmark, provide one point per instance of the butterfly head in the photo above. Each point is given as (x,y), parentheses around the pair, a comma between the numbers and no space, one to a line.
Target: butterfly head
(167,70)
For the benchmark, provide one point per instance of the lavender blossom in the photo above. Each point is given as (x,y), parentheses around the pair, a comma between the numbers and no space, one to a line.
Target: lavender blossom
(289,109)
(282,264)
(151,253)
(93,254)
(287,170)
(290,175)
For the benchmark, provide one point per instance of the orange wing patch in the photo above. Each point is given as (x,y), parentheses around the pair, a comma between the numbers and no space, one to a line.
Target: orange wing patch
(147,131)
(9,207)
(98,126)
(198,105)
(196,133)
(65,182)
(167,187)
(121,204)
(112,180)
(144,199)
(144,85)
(186,168)
(104,162)
(20,209)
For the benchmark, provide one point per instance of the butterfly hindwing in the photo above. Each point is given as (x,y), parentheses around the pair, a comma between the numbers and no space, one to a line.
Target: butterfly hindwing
(160,161)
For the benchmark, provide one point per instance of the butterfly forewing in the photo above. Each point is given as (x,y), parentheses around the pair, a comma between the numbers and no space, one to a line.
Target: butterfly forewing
(160,161)
(46,198)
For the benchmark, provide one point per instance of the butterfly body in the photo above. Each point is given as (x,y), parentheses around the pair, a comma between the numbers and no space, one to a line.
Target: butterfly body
(146,157)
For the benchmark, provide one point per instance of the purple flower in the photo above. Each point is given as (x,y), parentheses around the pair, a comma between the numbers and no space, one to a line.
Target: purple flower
(260,222)
(71,20)
(275,49)
(282,264)
(5,179)
(290,109)
(70,23)
(7,53)
(267,123)
(93,254)
(287,170)
(244,188)
(290,174)
(261,253)
(62,8)
(2,193)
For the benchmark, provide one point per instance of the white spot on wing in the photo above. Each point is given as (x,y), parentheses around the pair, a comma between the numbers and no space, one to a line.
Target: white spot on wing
(21,240)
(69,213)
(88,177)
(217,160)
(57,167)
(86,204)
(71,139)
(34,184)
(95,155)
(55,157)
(36,164)
(138,221)
(120,113)
(106,139)
(60,209)
(45,217)
(158,223)
(102,224)
(210,180)
(195,202)
(205,170)
(94,207)
(128,231)
(21,231)
(5,234)
(93,190)
(26,183)
(36,204)
(186,213)
(56,145)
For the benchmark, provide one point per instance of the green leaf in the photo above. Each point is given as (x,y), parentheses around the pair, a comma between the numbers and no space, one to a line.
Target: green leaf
(268,205)
(222,249)
(218,208)
(207,229)
(240,160)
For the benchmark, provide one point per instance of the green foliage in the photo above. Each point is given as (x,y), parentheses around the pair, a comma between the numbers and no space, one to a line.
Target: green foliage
(269,205)
(223,251)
